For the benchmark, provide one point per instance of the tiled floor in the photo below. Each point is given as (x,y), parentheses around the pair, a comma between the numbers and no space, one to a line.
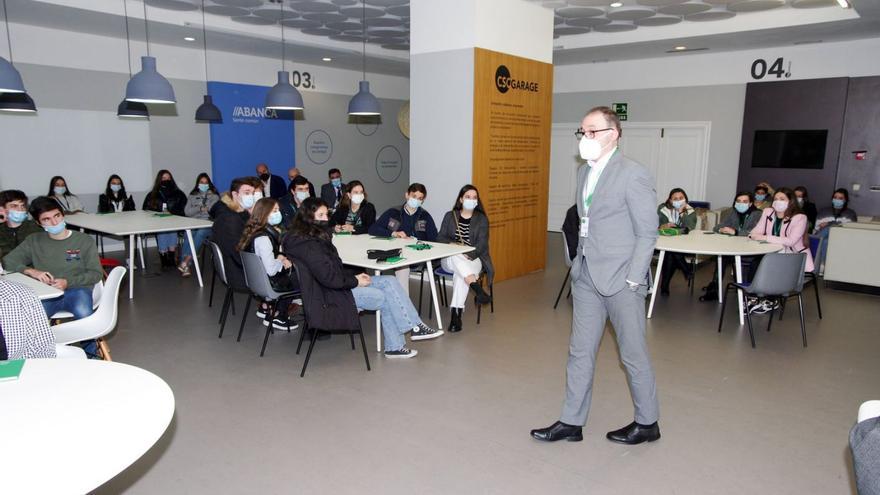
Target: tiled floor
(455,420)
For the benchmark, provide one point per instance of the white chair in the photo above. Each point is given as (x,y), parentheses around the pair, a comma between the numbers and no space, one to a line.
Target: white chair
(99,323)
(868,410)
(69,352)
(96,300)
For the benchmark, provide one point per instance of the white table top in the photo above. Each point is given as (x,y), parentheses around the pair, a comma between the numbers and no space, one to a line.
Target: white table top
(134,222)
(42,290)
(353,251)
(699,242)
(70,425)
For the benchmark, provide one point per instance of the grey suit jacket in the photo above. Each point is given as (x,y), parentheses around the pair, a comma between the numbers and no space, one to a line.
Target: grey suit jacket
(623,225)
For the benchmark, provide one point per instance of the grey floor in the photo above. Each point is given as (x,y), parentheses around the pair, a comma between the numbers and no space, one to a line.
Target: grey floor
(455,420)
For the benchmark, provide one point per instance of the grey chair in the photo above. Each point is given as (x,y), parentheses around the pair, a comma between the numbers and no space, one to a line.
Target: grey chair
(258,283)
(567,260)
(779,276)
(220,272)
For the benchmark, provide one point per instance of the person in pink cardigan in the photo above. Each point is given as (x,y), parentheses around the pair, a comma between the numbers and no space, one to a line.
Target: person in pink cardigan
(782,223)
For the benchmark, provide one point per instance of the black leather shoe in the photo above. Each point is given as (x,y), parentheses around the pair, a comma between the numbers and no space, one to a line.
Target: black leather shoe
(558,431)
(635,433)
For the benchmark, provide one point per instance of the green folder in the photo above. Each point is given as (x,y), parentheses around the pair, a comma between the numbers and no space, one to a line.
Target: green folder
(394,259)
(342,233)
(381,237)
(9,370)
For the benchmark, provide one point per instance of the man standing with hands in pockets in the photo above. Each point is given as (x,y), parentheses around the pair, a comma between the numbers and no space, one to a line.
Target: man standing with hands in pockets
(609,274)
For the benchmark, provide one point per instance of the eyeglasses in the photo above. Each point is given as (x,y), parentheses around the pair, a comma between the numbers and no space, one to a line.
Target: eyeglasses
(580,133)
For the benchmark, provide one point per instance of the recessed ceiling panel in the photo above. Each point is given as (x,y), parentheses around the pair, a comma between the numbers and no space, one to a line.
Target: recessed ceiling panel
(685,8)
(658,20)
(385,22)
(387,3)
(659,3)
(566,30)
(224,10)
(300,23)
(400,10)
(588,21)
(616,27)
(325,17)
(240,3)
(589,3)
(630,13)
(710,15)
(357,12)
(275,13)
(812,4)
(253,20)
(313,6)
(345,26)
(569,12)
(181,5)
(755,5)
(346,37)
(320,31)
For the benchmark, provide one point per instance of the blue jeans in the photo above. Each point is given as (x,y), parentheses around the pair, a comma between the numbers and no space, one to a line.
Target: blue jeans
(399,316)
(78,301)
(199,236)
(823,247)
(166,241)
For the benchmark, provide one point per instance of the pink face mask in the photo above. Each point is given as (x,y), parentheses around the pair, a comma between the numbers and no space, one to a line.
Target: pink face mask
(780,205)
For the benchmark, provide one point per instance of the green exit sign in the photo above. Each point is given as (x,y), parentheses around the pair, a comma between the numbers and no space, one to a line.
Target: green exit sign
(620,109)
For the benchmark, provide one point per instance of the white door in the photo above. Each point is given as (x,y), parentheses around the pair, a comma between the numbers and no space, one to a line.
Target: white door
(564,162)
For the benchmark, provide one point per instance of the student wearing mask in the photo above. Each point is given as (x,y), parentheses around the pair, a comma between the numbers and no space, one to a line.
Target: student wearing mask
(738,222)
(676,213)
(466,224)
(62,258)
(807,207)
(292,174)
(115,199)
(783,223)
(201,199)
(838,213)
(262,237)
(230,215)
(24,326)
(354,214)
(408,220)
(59,191)
(762,196)
(297,193)
(18,226)
(272,185)
(328,284)
(166,198)
(331,192)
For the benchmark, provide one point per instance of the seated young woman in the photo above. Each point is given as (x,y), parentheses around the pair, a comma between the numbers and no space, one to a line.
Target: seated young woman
(166,197)
(201,199)
(675,213)
(69,202)
(354,214)
(114,198)
(738,222)
(466,224)
(332,294)
(807,207)
(782,223)
(262,237)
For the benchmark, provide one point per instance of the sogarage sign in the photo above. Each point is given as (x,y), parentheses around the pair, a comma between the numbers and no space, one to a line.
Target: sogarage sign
(504,83)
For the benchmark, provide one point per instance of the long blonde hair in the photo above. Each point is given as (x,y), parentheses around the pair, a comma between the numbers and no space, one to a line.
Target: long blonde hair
(258,221)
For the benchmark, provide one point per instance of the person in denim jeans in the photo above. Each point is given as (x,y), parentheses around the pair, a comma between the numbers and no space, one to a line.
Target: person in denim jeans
(332,294)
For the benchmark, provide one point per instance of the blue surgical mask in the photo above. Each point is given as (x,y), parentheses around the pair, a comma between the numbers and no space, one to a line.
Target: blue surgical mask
(17,216)
(741,207)
(204,187)
(115,187)
(677,204)
(469,204)
(247,201)
(414,203)
(302,196)
(837,203)
(59,190)
(760,197)
(275,218)
(336,182)
(55,229)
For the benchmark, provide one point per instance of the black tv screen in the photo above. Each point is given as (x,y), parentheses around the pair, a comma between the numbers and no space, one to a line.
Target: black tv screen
(789,149)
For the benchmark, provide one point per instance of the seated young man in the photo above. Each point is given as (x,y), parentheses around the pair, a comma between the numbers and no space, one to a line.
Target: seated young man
(17,226)
(62,258)
(230,215)
(24,327)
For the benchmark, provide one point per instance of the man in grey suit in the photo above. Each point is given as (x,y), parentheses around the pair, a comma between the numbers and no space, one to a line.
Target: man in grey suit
(618,230)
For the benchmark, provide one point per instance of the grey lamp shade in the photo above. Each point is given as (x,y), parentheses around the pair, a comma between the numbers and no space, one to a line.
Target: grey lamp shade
(283,96)
(132,110)
(17,102)
(10,79)
(208,111)
(364,103)
(148,86)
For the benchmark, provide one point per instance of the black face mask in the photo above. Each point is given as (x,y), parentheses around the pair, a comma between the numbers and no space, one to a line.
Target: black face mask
(165,184)
(264,177)
(324,224)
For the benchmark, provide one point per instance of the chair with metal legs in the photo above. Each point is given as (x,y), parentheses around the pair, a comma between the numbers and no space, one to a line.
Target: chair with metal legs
(567,259)
(258,283)
(220,272)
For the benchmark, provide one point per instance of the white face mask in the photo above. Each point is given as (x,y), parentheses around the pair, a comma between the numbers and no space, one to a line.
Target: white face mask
(302,196)
(258,195)
(357,198)
(469,204)
(780,205)
(247,201)
(590,149)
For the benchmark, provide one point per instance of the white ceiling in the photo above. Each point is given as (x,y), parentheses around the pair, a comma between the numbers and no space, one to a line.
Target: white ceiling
(587,30)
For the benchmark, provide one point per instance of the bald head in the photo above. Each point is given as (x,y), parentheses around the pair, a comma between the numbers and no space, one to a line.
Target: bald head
(262,169)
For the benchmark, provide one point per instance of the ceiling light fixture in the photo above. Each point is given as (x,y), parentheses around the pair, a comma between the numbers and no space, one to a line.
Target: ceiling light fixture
(327,59)
(283,96)
(17,102)
(207,111)
(188,38)
(843,3)
(130,109)
(681,47)
(148,86)
(10,79)
(364,103)
(616,5)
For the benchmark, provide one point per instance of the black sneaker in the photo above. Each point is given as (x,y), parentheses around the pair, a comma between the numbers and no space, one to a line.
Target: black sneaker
(402,353)
(424,332)
(280,324)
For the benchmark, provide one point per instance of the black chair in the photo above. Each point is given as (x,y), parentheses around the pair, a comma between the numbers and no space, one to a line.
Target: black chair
(302,272)
(220,271)
(258,283)
(440,276)
(567,259)
(779,276)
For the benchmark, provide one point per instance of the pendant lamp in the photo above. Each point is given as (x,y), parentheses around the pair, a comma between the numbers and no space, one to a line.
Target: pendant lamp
(17,102)
(13,97)
(130,109)
(148,86)
(283,96)
(207,111)
(364,103)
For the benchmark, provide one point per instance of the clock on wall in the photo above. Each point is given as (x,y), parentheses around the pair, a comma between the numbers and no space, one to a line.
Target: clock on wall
(403,119)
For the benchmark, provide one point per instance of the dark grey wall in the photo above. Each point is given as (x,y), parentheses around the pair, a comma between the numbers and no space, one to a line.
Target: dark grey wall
(806,104)
(862,133)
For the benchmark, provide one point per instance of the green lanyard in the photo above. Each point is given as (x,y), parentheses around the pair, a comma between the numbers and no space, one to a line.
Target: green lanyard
(589,199)
(777,226)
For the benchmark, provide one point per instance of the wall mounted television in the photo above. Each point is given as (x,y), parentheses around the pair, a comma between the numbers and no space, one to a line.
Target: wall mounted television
(790,149)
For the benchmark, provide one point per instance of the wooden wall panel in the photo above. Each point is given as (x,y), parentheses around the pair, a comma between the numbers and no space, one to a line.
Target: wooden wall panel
(513,102)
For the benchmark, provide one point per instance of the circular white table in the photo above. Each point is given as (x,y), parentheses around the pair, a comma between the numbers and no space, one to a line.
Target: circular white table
(68,426)
(711,244)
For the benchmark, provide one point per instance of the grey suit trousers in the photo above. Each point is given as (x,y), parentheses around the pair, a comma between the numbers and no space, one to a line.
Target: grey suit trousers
(626,309)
